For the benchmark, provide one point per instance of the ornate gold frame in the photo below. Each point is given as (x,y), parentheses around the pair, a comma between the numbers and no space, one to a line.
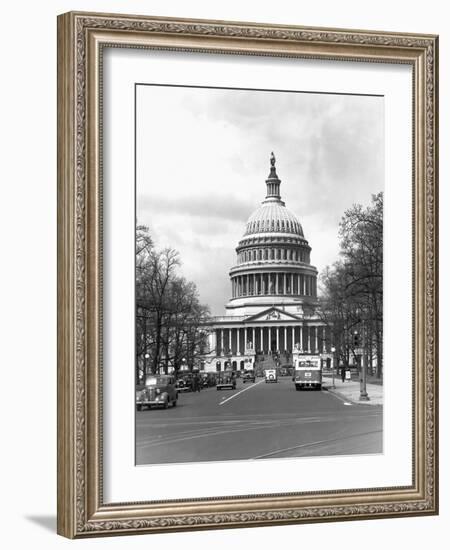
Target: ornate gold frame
(81,511)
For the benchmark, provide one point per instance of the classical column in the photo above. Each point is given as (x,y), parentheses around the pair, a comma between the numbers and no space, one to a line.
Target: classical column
(292,283)
(254,284)
(253,339)
(276,284)
(293,339)
(270,338)
(263,286)
(316,330)
(277,329)
(261,339)
(324,336)
(301,337)
(229,341)
(284,284)
(245,339)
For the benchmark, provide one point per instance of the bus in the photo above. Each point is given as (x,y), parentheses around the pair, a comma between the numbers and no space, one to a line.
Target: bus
(307,373)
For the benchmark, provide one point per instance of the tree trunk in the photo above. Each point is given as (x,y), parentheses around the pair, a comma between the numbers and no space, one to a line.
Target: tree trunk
(379,346)
(158,326)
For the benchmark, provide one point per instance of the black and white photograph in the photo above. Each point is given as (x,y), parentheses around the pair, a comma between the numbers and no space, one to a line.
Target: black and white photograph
(259,274)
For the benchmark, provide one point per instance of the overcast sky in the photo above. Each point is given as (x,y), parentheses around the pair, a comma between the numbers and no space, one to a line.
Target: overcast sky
(203,158)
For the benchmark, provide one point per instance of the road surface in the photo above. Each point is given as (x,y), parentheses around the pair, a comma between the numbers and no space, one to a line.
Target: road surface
(257,421)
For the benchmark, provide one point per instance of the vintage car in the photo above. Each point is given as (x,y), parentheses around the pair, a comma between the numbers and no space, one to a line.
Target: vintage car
(271,375)
(208,380)
(249,376)
(184,382)
(159,390)
(226,380)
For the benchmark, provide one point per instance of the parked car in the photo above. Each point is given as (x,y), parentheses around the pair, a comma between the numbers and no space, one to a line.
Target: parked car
(158,390)
(271,375)
(249,376)
(183,385)
(226,380)
(208,379)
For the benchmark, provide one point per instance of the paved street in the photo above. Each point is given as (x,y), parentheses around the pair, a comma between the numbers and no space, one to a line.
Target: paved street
(257,421)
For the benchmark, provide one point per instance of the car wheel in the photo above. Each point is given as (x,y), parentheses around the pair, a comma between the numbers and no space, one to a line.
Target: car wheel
(174,403)
(166,404)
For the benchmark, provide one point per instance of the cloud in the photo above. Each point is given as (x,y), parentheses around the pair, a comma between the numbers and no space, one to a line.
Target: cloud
(203,157)
(226,207)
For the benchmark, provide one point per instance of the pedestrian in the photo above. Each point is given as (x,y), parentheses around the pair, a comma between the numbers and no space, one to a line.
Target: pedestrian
(343,374)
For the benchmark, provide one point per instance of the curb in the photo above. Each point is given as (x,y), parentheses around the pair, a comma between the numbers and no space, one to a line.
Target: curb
(349,399)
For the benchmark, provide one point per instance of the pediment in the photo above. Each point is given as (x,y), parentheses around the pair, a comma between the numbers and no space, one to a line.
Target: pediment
(273,314)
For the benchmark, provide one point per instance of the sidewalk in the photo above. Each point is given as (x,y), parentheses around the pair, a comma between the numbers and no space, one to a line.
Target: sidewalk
(350,390)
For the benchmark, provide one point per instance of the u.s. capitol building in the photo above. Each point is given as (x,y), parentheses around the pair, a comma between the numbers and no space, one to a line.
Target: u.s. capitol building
(273,306)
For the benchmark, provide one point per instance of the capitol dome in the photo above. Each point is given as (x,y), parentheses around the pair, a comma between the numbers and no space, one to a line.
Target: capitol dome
(273,217)
(273,258)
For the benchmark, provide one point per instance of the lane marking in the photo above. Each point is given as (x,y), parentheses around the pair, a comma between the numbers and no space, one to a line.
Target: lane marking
(315,443)
(239,392)
(196,433)
(349,404)
(152,443)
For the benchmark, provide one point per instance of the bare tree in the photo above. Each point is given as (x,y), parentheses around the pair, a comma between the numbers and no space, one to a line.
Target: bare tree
(352,299)
(168,311)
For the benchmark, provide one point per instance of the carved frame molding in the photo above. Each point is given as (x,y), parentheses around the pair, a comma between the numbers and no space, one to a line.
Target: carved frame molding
(81,37)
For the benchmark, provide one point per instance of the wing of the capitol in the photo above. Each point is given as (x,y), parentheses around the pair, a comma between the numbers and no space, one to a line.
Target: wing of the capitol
(273,315)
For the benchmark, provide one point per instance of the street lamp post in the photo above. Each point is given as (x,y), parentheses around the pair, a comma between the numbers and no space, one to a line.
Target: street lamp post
(363,395)
(146,357)
(333,351)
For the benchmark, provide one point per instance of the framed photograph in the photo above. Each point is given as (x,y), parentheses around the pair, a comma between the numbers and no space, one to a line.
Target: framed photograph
(247,282)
